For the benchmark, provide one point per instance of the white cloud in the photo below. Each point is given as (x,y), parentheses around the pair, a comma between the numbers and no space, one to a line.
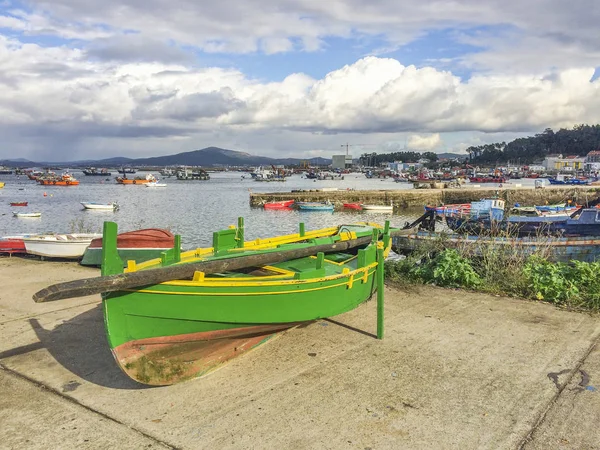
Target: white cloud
(57,95)
(424,143)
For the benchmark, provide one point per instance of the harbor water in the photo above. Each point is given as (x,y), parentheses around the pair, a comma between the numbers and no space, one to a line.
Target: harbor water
(193,209)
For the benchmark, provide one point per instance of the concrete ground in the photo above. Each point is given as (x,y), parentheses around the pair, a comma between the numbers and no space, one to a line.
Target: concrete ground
(456,370)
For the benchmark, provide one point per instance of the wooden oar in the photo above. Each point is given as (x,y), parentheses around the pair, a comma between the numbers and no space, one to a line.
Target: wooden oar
(111,283)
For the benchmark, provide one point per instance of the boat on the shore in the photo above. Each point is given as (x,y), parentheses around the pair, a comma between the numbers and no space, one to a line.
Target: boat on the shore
(71,246)
(315,206)
(138,246)
(12,244)
(488,179)
(18,203)
(284,204)
(185,328)
(27,215)
(583,222)
(569,180)
(100,206)
(556,249)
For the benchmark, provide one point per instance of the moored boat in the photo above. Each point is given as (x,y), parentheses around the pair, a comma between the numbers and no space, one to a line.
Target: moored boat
(181,329)
(1,184)
(155,184)
(285,204)
(70,246)
(100,206)
(138,246)
(18,203)
(27,215)
(355,205)
(379,208)
(92,171)
(137,180)
(314,206)
(64,180)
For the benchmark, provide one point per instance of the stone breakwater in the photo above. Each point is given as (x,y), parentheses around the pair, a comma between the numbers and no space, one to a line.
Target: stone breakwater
(407,198)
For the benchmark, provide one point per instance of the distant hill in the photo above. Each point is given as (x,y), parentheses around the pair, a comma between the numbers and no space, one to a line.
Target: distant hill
(210,156)
(215,156)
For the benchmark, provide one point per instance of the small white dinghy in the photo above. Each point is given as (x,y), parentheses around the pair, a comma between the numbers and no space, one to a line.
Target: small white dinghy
(59,245)
(155,184)
(378,208)
(101,206)
(27,215)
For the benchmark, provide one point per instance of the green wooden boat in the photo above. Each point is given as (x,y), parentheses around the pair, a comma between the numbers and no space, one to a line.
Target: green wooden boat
(181,329)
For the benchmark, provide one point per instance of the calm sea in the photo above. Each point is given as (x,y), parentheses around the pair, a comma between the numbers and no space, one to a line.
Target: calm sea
(193,209)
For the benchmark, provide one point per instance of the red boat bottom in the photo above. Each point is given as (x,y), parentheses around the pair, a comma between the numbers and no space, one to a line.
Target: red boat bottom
(170,359)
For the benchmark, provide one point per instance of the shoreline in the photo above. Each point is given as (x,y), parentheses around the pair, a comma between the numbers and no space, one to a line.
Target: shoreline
(455,369)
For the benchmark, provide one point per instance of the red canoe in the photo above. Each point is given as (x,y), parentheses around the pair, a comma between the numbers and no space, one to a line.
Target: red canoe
(355,205)
(18,203)
(286,204)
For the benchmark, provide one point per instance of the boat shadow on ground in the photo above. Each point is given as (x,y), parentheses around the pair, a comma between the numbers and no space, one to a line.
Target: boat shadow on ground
(79,345)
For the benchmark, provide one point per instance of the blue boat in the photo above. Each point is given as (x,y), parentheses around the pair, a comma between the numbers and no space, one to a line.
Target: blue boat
(558,249)
(315,206)
(568,180)
(584,222)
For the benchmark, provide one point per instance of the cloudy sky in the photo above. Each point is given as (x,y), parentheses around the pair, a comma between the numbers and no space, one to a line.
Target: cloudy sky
(88,79)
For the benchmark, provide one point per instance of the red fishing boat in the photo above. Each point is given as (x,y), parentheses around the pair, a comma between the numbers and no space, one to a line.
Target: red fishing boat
(355,205)
(285,204)
(18,203)
(138,246)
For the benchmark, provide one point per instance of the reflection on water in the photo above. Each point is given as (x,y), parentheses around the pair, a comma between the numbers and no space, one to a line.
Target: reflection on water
(193,209)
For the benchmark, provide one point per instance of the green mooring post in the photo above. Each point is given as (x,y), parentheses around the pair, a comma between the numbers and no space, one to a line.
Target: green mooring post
(380,288)
(240,232)
(302,229)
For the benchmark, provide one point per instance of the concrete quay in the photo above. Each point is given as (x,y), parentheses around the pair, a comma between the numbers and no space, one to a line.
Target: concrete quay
(407,198)
(455,370)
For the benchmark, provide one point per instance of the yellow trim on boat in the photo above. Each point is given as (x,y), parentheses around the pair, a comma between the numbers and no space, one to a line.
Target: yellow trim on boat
(347,283)
(244,282)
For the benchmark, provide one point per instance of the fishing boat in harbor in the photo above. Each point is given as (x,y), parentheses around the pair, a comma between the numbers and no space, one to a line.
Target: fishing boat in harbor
(137,180)
(18,203)
(315,206)
(184,328)
(71,246)
(125,170)
(92,171)
(284,204)
(355,205)
(561,179)
(138,246)
(27,215)
(65,179)
(100,206)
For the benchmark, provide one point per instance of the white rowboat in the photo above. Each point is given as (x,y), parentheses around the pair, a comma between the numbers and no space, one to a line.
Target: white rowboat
(155,184)
(380,208)
(59,245)
(102,206)
(27,215)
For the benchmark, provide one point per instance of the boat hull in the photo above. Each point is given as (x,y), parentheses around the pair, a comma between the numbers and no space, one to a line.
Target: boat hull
(197,318)
(561,249)
(287,204)
(58,247)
